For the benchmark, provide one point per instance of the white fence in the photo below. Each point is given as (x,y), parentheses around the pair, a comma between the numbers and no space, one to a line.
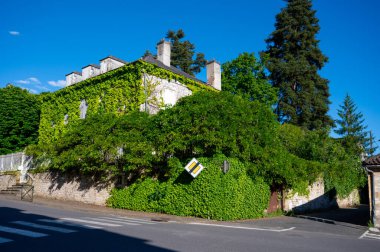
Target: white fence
(12,162)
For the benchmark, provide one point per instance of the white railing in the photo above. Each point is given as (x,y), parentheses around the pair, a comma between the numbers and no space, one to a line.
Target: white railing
(13,161)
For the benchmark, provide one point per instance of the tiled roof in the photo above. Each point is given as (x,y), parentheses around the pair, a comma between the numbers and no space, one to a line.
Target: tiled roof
(173,69)
(374,160)
(93,65)
(114,58)
(75,72)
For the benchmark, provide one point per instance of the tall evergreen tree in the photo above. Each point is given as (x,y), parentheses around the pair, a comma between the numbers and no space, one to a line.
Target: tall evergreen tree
(351,127)
(182,53)
(294,59)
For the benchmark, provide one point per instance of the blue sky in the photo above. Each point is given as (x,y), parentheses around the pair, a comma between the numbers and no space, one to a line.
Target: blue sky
(42,41)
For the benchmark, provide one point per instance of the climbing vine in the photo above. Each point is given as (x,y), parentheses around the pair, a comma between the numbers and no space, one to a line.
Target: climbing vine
(119,92)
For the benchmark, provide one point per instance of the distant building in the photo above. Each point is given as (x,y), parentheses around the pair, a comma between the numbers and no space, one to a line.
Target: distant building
(372,166)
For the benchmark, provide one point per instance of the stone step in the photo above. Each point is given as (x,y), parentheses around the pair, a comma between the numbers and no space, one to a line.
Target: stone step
(10,191)
(15,187)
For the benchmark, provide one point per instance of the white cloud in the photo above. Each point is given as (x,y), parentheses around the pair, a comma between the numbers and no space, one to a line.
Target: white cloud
(30,80)
(58,83)
(14,33)
(42,88)
(30,90)
(35,80)
(33,91)
(23,82)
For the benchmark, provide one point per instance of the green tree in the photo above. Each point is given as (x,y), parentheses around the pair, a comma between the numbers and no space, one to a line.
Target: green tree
(372,145)
(209,123)
(101,144)
(245,76)
(294,59)
(182,53)
(19,119)
(351,127)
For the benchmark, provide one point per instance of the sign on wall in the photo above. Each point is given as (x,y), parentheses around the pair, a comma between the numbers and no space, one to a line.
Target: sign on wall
(194,167)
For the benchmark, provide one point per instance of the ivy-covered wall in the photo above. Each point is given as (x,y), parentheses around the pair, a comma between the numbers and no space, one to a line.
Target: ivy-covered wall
(119,91)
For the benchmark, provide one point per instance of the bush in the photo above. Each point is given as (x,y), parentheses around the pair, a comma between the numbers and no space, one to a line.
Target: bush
(212,194)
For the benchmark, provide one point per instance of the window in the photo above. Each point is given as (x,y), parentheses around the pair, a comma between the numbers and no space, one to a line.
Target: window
(83,109)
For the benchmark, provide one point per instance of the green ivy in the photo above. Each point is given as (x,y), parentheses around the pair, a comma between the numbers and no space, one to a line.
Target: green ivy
(119,91)
(212,194)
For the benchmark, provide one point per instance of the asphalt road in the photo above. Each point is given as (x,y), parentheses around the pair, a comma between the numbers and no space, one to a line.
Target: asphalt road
(28,226)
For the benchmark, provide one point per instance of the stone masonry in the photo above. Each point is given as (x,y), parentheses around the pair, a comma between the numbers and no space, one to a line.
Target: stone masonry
(318,199)
(376,180)
(71,188)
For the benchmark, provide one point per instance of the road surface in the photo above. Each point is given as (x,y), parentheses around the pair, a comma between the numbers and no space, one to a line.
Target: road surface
(26,226)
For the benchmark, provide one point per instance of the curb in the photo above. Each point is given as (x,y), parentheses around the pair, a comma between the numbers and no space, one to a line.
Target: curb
(373,229)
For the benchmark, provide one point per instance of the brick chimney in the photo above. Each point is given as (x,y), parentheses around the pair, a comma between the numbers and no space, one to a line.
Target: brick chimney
(214,75)
(163,52)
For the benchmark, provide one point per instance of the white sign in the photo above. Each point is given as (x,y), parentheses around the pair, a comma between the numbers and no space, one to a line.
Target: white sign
(194,167)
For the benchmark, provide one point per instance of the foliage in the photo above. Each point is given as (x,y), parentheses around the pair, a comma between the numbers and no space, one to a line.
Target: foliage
(245,76)
(212,194)
(20,114)
(102,144)
(351,128)
(206,124)
(340,169)
(294,59)
(182,53)
(202,125)
(119,92)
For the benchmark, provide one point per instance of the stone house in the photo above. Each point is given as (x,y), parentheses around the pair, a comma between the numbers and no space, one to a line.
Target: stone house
(116,86)
(372,166)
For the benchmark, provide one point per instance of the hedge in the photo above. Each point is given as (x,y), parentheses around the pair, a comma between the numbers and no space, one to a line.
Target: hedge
(212,194)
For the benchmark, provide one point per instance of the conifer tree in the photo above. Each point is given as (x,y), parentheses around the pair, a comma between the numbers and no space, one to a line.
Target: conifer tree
(294,59)
(351,128)
(182,53)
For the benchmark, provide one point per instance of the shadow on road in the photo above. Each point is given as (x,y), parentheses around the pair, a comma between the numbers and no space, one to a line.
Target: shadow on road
(83,239)
(357,216)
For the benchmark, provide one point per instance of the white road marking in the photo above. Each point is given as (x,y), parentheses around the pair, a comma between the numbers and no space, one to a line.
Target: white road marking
(131,219)
(33,225)
(4,240)
(91,222)
(363,235)
(22,232)
(128,220)
(241,227)
(373,236)
(369,235)
(115,221)
(69,224)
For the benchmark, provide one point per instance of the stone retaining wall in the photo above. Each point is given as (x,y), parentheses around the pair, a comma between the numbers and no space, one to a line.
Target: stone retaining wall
(318,199)
(7,181)
(73,188)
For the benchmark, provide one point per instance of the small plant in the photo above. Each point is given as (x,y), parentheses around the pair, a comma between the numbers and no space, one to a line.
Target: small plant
(370,224)
(276,213)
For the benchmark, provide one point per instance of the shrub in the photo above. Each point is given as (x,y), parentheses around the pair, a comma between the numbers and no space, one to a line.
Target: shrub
(212,194)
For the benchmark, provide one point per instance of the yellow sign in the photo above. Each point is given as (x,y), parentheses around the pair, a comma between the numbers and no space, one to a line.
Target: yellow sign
(194,167)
